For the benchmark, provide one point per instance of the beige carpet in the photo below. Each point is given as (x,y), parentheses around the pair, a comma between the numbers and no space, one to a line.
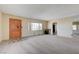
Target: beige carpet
(45,44)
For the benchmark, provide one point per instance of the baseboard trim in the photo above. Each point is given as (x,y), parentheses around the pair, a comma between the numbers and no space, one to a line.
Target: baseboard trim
(31,36)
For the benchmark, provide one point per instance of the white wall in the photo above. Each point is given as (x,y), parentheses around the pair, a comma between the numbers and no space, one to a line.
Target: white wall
(26,27)
(26,30)
(64,26)
(0,26)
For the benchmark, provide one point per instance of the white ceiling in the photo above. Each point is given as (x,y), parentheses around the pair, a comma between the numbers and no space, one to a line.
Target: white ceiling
(41,11)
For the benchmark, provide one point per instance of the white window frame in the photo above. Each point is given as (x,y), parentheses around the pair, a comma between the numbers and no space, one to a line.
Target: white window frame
(36,26)
(74,27)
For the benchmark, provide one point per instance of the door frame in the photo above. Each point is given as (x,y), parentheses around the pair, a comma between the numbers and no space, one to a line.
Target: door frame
(54,24)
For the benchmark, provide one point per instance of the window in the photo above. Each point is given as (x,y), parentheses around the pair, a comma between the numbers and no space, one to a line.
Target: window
(74,27)
(40,26)
(36,26)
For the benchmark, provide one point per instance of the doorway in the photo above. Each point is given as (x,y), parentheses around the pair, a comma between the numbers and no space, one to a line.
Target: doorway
(14,29)
(54,28)
(75,28)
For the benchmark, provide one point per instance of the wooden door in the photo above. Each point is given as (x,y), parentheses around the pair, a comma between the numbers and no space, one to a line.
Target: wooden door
(15,28)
